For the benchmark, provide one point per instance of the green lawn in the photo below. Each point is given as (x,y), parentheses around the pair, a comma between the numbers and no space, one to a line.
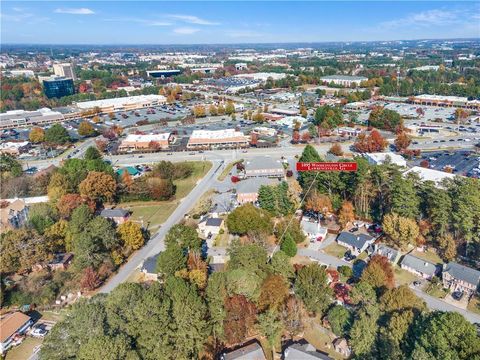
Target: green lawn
(435,290)
(362,256)
(335,250)
(156,212)
(403,276)
(24,350)
(321,340)
(428,256)
(227,169)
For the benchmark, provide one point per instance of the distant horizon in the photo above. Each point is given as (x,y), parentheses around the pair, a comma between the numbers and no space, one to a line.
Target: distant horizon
(221,23)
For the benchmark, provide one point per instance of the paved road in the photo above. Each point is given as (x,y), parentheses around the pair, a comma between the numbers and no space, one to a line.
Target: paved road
(437,304)
(156,243)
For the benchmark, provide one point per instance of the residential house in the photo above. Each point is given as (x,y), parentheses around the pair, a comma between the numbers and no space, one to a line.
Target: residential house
(247,190)
(356,243)
(457,277)
(119,216)
(418,266)
(252,351)
(210,226)
(303,350)
(60,261)
(264,166)
(341,346)
(381,249)
(12,325)
(313,231)
(149,268)
(14,215)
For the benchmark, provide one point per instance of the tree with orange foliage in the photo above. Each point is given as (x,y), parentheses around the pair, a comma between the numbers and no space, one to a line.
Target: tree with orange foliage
(273,292)
(253,139)
(402,141)
(70,202)
(306,137)
(296,137)
(98,186)
(101,145)
(127,179)
(318,202)
(336,149)
(90,279)
(379,273)
(371,143)
(241,315)
(346,213)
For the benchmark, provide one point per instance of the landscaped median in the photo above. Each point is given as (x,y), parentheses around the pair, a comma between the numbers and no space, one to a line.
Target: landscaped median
(227,169)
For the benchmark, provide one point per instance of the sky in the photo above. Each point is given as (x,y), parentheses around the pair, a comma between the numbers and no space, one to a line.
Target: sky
(225,22)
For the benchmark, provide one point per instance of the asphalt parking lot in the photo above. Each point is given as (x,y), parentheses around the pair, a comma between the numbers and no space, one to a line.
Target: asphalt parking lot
(466,163)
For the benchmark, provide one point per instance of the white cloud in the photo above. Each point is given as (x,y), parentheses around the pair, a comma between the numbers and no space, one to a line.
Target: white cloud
(185,30)
(191,19)
(77,11)
(435,17)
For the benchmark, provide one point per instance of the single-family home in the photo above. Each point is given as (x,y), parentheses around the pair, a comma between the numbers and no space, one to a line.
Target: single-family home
(14,215)
(13,324)
(264,166)
(313,231)
(381,249)
(149,268)
(251,351)
(356,243)
(418,266)
(247,190)
(341,346)
(118,215)
(303,350)
(60,261)
(457,277)
(210,226)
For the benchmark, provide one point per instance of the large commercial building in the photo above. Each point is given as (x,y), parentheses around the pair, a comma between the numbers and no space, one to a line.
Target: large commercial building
(264,166)
(64,70)
(343,80)
(18,73)
(122,104)
(217,139)
(445,101)
(21,118)
(386,157)
(57,87)
(135,142)
(163,73)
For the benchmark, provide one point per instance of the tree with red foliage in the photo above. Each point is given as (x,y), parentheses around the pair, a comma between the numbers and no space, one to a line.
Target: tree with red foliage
(306,137)
(101,145)
(425,164)
(379,273)
(90,279)
(253,139)
(336,150)
(371,143)
(235,179)
(109,134)
(82,88)
(240,318)
(295,137)
(154,145)
(70,202)
(402,141)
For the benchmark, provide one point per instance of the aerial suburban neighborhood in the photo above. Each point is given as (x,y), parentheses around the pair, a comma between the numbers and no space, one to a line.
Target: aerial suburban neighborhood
(259,195)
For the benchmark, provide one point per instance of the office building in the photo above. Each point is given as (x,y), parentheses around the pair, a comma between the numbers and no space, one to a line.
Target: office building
(163,73)
(64,70)
(146,142)
(343,80)
(21,118)
(217,139)
(123,103)
(57,87)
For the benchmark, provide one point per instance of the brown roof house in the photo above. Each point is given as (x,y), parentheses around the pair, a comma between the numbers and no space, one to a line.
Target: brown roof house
(14,215)
(11,325)
(341,346)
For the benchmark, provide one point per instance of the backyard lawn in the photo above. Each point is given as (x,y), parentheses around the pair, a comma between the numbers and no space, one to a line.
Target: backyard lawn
(24,350)
(429,256)
(335,250)
(154,213)
(474,304)
(321,339)
(403,277)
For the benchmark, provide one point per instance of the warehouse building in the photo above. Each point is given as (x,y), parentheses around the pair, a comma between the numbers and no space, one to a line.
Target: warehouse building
(123,103)
(344,80)
(217,139)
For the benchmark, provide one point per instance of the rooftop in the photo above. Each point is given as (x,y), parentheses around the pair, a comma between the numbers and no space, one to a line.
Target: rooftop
(120,102)
(429,174)
(111,213)
(11,323)
(419,265)
(262,163)
(252,185)
(216,134)
(356,240)
(252,351)
(147,137)
(461,272)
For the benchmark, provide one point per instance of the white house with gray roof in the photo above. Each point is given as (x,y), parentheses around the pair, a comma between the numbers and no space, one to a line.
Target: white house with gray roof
(304,351)
(357,243)
(381,249)
(264,166)
(251,351)
(457,277)
(418,266)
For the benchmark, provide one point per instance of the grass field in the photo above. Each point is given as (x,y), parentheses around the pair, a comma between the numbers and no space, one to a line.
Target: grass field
(24,350)
(474,305)
(335,250)
(154,213)
(321,340)
(403,277)
(435,290)
(227,170)
(428,256)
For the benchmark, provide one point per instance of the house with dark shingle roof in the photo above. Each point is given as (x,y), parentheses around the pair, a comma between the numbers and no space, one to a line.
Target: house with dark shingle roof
(118,215)
(381,249)
(149,268)
(303,350)
(418,266)
(457,277)
(210,225)
(247,190)
(252,351)
(357,243)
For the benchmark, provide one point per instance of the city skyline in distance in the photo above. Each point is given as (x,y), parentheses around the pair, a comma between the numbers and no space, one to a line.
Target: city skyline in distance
(195,23)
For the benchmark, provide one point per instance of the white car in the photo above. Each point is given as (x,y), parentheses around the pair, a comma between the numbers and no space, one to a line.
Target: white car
(39,331)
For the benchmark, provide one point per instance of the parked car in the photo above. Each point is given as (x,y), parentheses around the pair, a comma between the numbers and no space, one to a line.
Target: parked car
(457,295)
(39,331)
(354,229)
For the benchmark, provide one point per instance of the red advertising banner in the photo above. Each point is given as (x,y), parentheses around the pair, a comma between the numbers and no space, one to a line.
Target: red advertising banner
(326,166)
